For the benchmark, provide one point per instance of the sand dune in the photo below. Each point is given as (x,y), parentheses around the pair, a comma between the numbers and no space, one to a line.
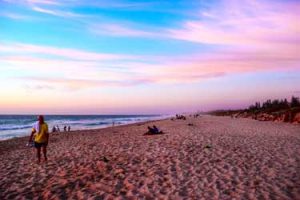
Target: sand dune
(214,158)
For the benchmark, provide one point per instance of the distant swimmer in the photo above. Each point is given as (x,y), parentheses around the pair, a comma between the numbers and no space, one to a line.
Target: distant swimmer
(40,134)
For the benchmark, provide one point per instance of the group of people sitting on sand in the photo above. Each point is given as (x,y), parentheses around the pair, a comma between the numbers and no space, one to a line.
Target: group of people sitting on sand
(196,115)
(56,129)
(180,117)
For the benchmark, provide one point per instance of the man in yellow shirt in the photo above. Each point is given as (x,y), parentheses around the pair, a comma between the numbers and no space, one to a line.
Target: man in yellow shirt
(41,136)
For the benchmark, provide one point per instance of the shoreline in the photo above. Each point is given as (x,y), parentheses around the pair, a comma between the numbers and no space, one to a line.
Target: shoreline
(88,129)
(207,157)
(24,139)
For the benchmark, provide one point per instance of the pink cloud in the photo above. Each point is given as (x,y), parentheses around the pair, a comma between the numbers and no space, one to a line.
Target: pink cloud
(257,36)
(214,65)
(243,23)
(67,68)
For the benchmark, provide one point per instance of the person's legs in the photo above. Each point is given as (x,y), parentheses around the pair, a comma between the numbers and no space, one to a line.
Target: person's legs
(45,152)
(38,154)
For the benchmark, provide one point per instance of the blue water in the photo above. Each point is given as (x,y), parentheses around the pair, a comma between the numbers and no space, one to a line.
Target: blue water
(20,125)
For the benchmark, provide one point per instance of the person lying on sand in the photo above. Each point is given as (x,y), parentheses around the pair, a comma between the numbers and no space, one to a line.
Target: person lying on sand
(41,137)
(153,130)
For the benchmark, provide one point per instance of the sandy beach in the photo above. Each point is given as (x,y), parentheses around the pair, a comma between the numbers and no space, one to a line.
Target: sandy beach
(199,158)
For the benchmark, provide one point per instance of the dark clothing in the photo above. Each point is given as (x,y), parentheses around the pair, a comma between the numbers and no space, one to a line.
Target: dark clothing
(150,130)
(39,145)
(154,130)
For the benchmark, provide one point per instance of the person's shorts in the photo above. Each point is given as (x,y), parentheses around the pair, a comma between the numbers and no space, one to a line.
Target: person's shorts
(39,145)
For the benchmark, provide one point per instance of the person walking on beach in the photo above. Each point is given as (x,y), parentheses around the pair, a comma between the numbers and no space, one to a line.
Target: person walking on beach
(41,137)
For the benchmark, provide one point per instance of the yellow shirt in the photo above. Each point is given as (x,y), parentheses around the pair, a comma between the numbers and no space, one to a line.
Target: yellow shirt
(41,133)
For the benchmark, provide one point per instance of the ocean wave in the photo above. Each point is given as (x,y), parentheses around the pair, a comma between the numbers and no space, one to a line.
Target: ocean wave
(97,123)
(5,128)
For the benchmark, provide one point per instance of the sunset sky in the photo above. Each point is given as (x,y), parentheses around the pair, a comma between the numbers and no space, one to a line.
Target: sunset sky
(146,57)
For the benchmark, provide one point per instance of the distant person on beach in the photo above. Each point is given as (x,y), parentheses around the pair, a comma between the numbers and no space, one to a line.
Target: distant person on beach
(53,129)
(57,128)
(69,128)
(65,128)
(41,137)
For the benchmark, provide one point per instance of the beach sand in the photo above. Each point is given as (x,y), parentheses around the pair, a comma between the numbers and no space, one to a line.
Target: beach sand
(212,158)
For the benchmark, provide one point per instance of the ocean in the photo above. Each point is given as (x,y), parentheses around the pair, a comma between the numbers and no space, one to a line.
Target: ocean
(20,125)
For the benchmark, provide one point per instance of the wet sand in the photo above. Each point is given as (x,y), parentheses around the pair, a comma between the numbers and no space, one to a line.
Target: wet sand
(199,158)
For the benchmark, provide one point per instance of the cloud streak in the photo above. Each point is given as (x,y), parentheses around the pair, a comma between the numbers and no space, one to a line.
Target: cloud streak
(74,54)
(118,30)
(44,2)
(76,84)
(15,16)
(54,12)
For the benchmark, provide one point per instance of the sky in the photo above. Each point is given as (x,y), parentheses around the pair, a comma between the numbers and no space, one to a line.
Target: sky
(146,57)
